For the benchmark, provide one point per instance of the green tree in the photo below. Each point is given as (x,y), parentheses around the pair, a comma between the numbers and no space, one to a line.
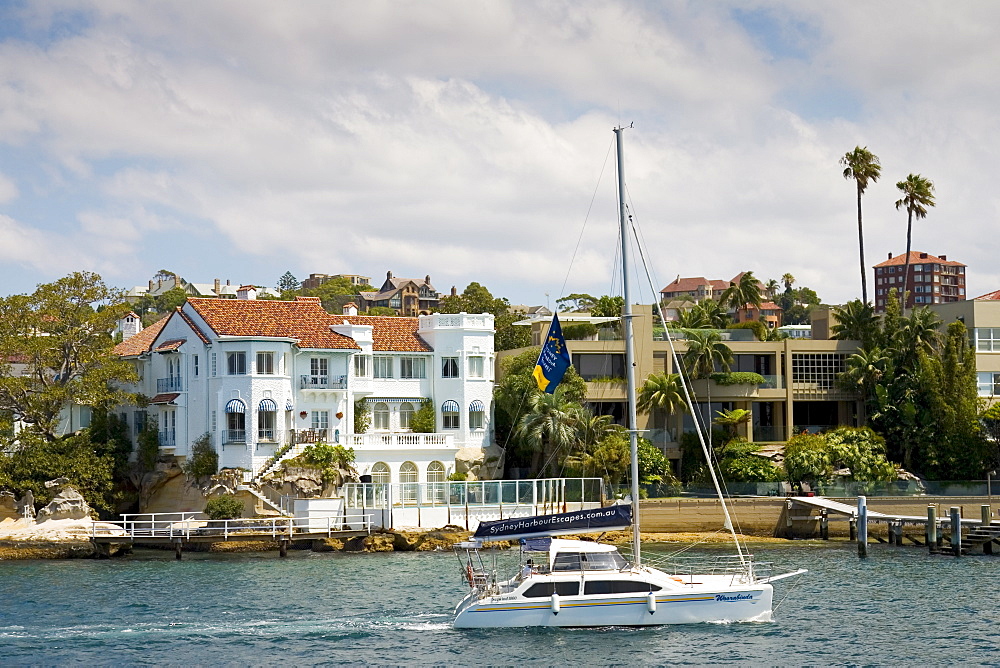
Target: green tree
(730,420)
(335,461)
(424,419)
(607,306)
(335,293)
(861,166)
(576,302)
(288,283)
(771,288)
(662,396)
(807,459)
(34,460)
(362,416)
(739,462)
(381,310)
(61,333)
(918,195)
(203,462)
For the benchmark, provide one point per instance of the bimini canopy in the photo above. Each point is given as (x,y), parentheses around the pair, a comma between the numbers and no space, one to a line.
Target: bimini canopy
(236,406)
(580,521)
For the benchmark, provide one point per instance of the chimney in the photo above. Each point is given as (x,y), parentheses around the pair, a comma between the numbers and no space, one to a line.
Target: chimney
(923,256)
(890,256)
(227,281)
(454,292)
(159,283)
(350,308)
(218,284)
(388,275)
(943,257)
(150,285)
(427,279)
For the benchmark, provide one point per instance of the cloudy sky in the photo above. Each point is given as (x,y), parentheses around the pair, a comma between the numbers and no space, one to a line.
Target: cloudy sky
(470,140)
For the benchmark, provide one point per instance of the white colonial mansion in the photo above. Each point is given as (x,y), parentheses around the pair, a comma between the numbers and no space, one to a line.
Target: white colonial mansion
(257,375)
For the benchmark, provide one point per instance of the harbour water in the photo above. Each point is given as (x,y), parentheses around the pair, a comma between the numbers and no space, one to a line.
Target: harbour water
(900,606)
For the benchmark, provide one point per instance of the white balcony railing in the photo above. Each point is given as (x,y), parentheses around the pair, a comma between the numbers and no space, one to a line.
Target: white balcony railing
(323,382)
(234,436)
(168,438)
(394,440)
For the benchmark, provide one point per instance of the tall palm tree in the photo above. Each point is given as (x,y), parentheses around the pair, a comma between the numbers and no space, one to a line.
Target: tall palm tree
(743,293)
(662,394)
(789,281)
(705,351)
(550,427)
(862,166)
(856,321)
(918,194)
(771,288)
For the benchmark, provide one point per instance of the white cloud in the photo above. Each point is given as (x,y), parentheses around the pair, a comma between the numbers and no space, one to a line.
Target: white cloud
(465,140)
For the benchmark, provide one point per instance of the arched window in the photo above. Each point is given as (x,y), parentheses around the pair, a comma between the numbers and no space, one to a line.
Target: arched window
(408,476)
(380,416)
(381,474)
(405,414)
(435,482)
(477,415)
(449,415)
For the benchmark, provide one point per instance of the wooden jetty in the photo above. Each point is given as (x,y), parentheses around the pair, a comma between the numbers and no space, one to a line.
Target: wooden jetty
(980,534)
(184,529)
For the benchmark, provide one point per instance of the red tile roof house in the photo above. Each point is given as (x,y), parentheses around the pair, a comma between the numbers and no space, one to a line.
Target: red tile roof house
(699,288)
(258,374)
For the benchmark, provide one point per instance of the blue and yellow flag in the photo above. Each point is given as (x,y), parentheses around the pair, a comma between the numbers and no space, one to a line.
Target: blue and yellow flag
(554,359)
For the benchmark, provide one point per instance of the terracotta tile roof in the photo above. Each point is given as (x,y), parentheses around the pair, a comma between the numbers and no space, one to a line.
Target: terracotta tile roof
(991,296)
(141,342)
(164,398)
(172,344)
(693,283)
(191,323)
(302,319)
(915,258)
(393,333)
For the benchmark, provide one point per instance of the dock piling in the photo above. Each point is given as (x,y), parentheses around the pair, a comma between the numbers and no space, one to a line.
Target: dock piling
(178,548)
(956,531)
(862,527)
(931,534)
(824,524)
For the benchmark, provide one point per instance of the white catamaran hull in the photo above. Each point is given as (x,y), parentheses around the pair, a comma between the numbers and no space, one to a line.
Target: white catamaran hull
(692,605)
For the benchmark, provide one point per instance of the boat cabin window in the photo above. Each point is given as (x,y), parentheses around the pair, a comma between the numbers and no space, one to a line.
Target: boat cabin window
(546,589)
(618,587)
(588,561)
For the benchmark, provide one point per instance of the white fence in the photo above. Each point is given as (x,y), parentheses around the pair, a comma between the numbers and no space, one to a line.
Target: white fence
(196,525)
(467,503)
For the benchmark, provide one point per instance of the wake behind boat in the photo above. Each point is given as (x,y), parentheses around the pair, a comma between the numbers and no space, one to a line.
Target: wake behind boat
(580,583)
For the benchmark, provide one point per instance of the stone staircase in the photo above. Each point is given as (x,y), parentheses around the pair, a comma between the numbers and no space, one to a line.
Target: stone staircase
(272,464)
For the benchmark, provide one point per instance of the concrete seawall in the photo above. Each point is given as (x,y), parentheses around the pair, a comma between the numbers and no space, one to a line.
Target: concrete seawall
(768,516)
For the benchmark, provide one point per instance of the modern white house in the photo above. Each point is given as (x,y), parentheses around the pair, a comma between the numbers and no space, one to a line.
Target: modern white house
(257,375)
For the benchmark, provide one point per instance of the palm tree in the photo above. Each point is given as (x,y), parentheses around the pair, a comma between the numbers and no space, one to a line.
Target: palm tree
(789,281)
(705,350)
(662,394)
(856,321)
(865,369)
(771,288)
(918,194)
(863,166)
(746,291)
(730,420)
(550,427)
(715,314)
(921,331)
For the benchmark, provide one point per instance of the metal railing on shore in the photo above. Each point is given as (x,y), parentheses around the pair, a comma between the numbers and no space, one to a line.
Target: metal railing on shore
(197,525)
(836,489)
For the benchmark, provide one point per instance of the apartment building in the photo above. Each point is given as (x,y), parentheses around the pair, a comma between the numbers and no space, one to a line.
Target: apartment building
(256,375)
(982,317)
(931,280)
(799,392)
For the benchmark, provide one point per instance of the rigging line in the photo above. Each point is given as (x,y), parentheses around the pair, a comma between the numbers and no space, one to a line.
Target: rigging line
(590,208)
(728,522)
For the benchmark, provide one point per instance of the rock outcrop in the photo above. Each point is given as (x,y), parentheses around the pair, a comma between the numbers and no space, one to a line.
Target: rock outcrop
(300,482)
(9,508)
(68,504)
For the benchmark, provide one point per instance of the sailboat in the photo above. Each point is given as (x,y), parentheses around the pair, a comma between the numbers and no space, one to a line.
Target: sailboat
(574,583)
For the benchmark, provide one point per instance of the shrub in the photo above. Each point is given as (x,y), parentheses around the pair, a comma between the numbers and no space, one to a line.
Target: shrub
(225,507)
(362,416)
(807,459)
(203,460)
(579,331)
(335,461)
(741,463)
(759,329)
(738,378)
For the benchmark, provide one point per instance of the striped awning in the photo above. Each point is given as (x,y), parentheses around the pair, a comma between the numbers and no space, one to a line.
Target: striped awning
(450,406)
(236,406)
(395,400)
(288,405)
(477,407)
(267,405)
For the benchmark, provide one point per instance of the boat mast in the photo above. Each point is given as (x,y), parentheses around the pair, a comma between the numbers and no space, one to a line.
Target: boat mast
(629,350)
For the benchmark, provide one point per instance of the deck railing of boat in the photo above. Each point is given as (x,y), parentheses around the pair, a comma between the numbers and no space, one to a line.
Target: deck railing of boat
(745,569)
